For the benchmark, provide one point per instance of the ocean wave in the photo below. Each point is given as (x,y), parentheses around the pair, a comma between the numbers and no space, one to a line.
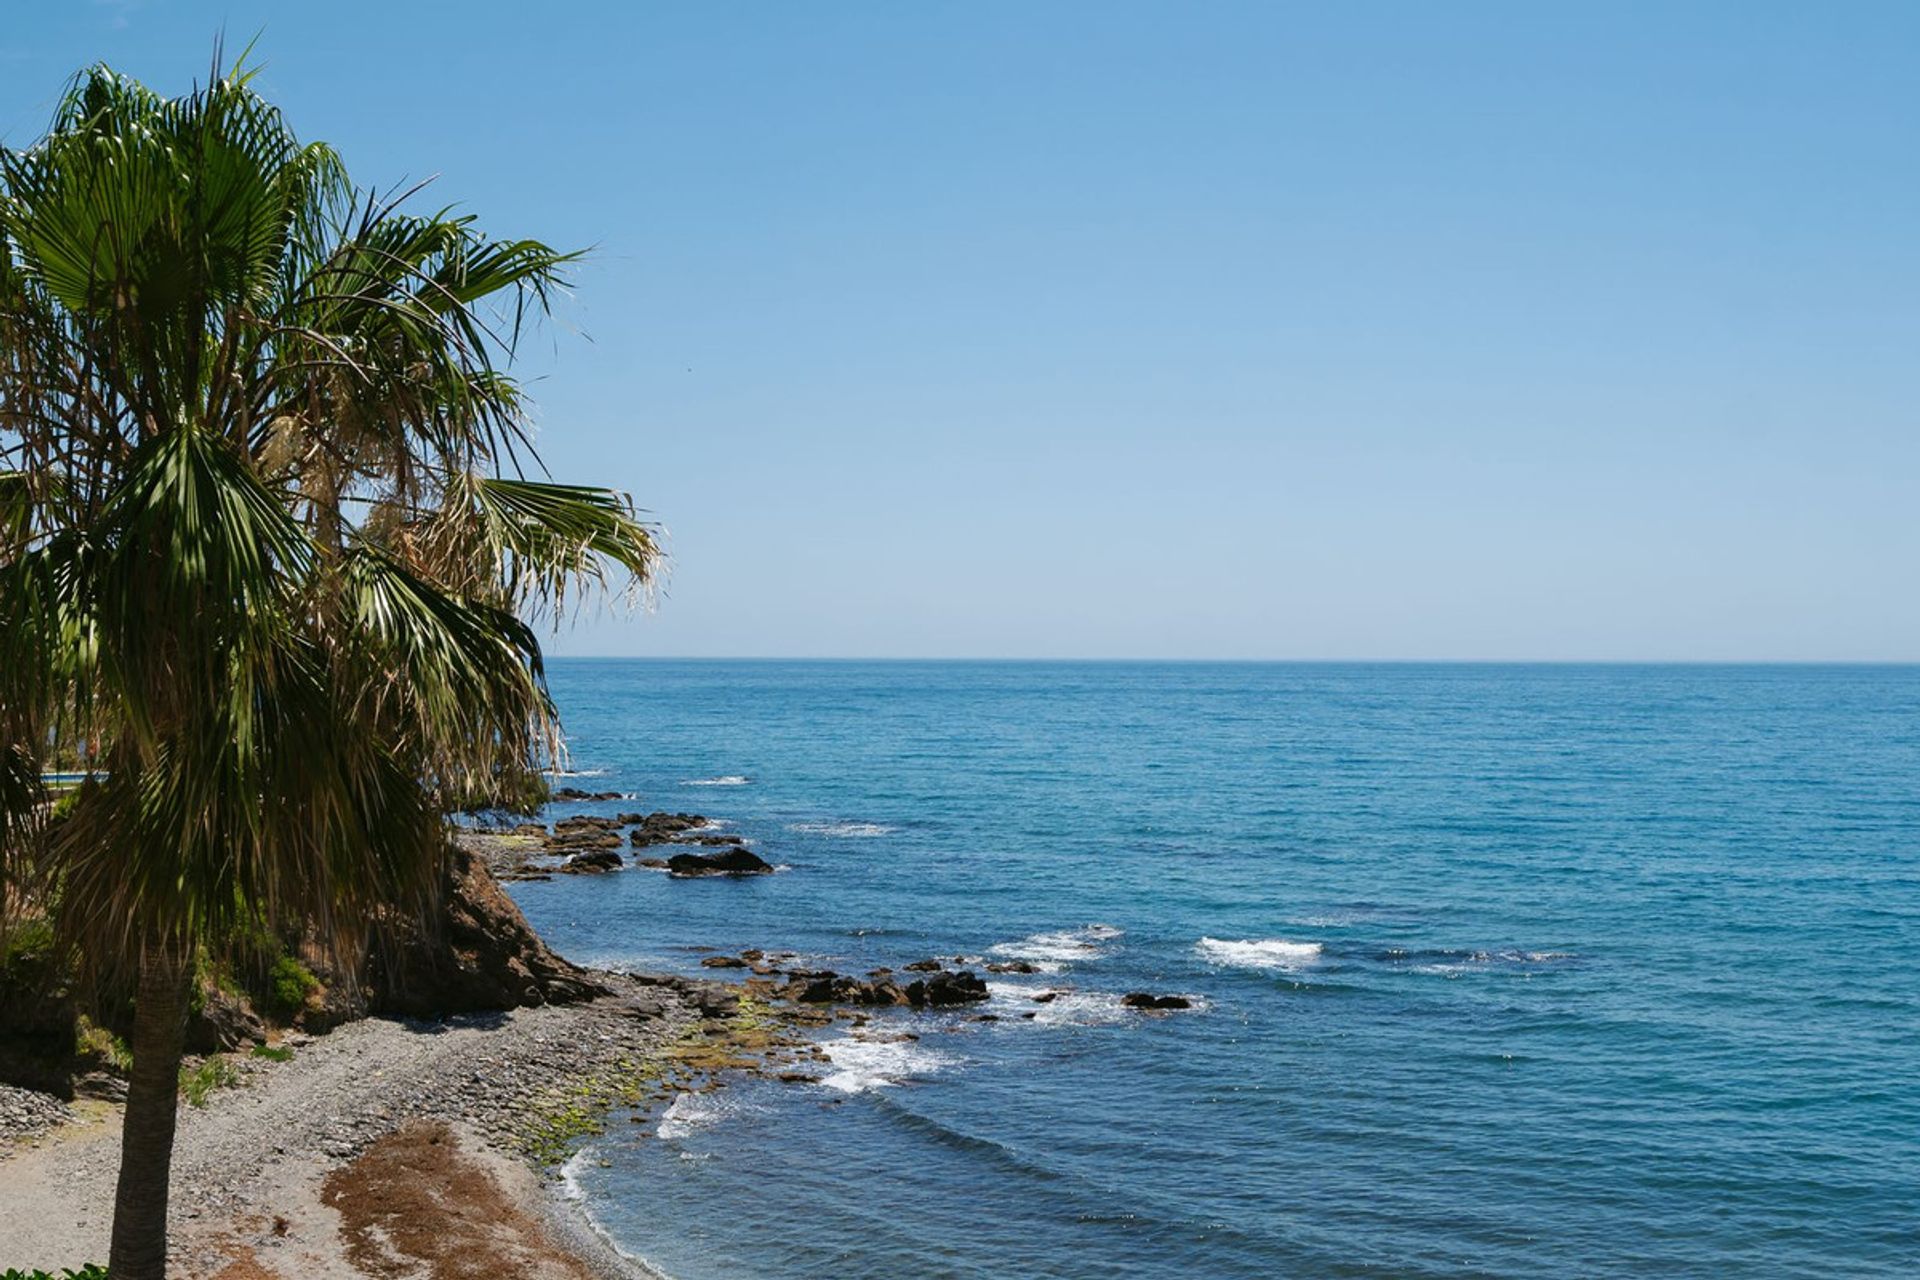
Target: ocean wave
(726,780)
(1448,963)
(1065,1008)
(690,1113)
(577,773)
(1260,953)
(1062,947)
(861,1064)
(843,830)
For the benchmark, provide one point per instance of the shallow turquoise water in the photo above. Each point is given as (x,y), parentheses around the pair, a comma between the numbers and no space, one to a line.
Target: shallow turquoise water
(1504,971)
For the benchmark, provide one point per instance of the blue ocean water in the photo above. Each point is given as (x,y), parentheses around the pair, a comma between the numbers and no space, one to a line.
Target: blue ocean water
(1501,970)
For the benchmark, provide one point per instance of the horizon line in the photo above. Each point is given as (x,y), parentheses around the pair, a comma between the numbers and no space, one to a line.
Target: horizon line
(1302,662)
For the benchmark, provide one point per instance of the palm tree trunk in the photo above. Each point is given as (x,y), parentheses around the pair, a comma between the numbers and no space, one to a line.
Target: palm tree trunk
(139,1249)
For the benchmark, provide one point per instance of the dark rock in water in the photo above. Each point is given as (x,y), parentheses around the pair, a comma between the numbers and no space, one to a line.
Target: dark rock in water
(752,954)
(924,966)
(728,862)
(658,864)
(530,829)
(984,1017)
(584,822)
(723,962)
(479,954)
(1046,997)
(570,793)
(631,819)
(833,988)
(1013,966)
(223,1022)
(945,989)
(575,841)
(1147,1000)
(592,861)
(813,990)
(661,828)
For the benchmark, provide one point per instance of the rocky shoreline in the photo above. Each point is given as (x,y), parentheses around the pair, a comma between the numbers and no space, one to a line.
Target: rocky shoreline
(481,1044)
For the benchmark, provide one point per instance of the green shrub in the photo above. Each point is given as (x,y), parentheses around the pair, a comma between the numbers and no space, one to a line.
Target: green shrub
(273,1052)
(196,1083)
(28,940)
(94,1272)
(290,983)
(91,1040)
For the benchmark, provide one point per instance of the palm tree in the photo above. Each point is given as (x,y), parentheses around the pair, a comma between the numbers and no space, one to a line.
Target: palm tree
(266,548)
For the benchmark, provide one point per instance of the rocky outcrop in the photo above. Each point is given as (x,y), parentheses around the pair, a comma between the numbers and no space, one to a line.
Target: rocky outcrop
(736,861)
(223,1022)
(1148,1001)
(661,828)
(592,861)
(942,990)
(480,954)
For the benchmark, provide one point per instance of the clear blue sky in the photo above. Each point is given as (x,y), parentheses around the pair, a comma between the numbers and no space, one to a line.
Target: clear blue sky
(1364,330)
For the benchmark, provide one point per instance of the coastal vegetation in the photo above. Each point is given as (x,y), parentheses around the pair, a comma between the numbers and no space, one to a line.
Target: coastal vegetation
(269,549)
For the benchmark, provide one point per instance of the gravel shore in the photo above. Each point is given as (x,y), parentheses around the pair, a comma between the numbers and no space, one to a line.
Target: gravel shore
(248,1165)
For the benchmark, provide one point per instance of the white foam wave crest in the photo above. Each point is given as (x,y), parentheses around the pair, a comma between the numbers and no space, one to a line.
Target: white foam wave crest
(1063,947)
(1260,953)
(843,830)
(1067,1008)
(691,1112)
(570,1187)
(576,773)
(861,1064)
(727,780)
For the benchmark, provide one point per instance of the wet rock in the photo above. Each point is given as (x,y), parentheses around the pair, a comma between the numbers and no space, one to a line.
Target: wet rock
(1147,1000)
(583,822)
(723,962)
(924,966)
(658,864)
(577,842)
(1045,997)
(592,861)
(1013,966)
(942,990)
(662,828)
(728,862)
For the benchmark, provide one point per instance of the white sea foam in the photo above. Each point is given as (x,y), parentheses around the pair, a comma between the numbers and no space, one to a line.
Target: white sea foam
(727,780)
(1068,1008)
(1050,950)
(690,1112)
(843,830)
(862,1064)
(1260,953)
(576,773)
(570,1174)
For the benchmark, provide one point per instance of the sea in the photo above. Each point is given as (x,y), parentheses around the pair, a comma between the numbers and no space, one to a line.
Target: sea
(1495,971)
